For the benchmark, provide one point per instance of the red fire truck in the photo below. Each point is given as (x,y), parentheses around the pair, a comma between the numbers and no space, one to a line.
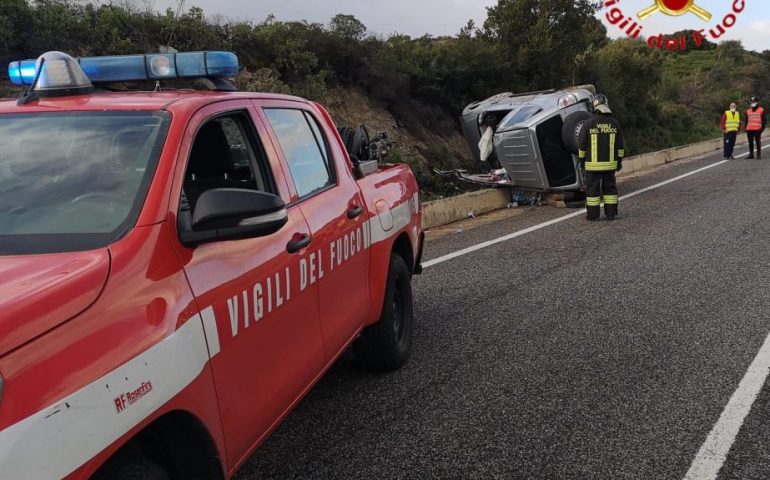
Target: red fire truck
(179,267)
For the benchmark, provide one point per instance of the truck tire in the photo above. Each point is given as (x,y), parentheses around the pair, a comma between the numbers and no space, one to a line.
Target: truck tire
(386,345)
(360,147)
(346,133)
(570,132)
(356,141)
(139,469)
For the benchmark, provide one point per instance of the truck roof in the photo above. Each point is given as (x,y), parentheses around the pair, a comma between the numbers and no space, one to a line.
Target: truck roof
(134,101)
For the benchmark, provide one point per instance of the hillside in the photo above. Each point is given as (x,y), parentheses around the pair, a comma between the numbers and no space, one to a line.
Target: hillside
(415,88)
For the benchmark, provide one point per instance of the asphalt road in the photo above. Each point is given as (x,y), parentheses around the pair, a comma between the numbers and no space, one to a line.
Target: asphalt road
(580,350)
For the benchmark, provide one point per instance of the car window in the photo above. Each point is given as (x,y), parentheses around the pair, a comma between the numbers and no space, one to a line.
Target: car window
(74,181)
(225,154)
(304,147)
(521,115)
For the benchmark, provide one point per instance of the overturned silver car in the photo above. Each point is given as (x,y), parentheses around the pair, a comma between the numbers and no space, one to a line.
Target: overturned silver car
(529,139)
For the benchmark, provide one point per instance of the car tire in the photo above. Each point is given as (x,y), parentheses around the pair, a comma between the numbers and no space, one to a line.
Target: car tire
(570,132)
(139,469)
(387,344)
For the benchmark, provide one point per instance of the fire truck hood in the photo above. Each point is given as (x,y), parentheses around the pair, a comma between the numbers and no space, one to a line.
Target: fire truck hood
(40,292)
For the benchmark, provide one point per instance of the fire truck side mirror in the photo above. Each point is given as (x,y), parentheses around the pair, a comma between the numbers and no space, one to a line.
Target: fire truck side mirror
(233,213)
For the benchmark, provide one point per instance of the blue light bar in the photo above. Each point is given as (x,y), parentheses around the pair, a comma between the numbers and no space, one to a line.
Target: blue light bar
(22,73)
(126,68)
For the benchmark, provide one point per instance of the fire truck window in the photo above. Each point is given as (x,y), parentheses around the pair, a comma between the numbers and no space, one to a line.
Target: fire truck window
(78,186)
(225,156)
(305,149)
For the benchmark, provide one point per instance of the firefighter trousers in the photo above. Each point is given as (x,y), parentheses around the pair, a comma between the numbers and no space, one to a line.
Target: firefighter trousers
(601,187)
(755,136)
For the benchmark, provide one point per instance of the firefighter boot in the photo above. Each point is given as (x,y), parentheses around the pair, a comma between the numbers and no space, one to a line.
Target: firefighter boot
(610,197)
(611,211)
(593,208)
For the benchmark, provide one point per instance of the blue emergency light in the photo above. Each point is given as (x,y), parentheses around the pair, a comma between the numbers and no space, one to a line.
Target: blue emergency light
(125,68)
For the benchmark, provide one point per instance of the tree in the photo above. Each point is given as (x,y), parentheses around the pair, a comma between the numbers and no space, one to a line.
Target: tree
(629,72)
(15,17)
(541,38)
(347,27)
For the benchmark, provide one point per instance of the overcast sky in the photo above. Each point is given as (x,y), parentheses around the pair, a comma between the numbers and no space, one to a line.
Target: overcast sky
(447,17)
(411,17)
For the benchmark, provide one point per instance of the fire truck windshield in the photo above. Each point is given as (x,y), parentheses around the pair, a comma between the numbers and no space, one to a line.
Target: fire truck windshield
(74,181)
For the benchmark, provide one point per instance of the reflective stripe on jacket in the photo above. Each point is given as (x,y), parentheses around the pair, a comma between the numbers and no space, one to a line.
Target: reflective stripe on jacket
(754,119)
(601,144)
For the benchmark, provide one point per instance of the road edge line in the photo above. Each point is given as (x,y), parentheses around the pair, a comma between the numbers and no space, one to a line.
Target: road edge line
(713,453)
(511,236)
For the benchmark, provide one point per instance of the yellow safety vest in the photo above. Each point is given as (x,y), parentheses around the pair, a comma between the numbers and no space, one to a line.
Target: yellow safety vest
(733,122)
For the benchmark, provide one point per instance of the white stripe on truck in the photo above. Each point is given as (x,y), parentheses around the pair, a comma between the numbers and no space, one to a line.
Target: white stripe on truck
(59,439)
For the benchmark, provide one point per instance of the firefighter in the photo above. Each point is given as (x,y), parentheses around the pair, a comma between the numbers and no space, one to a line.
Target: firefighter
(731,123)
(756,122)
(601,153)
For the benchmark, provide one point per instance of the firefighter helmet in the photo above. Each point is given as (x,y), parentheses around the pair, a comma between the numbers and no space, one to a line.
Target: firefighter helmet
(601,104)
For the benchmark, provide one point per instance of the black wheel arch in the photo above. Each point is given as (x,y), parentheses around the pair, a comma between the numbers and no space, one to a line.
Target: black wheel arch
(178,442)
(402,246)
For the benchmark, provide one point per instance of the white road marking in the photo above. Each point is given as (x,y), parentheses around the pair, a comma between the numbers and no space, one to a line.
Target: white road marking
(511,236)
(712,455)
(671,180)
(505,238)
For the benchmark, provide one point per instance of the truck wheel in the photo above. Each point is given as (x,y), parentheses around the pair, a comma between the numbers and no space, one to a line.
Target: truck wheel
(360,144)
(570,132)
(346,133)
(139,469)
(386,345)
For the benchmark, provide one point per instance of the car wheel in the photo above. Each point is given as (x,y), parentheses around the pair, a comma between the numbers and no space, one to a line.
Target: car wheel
(140,469)
(570,132)
(386,345)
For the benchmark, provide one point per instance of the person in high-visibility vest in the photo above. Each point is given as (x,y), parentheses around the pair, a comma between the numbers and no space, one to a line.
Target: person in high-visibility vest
(601,152)
(731,123)
(756,122)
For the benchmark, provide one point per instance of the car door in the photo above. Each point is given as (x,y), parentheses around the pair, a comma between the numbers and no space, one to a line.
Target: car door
(335,211)
(261,324)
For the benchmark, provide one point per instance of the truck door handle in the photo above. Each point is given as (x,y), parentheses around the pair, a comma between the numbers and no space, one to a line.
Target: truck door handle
(299,242)
(355,212)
